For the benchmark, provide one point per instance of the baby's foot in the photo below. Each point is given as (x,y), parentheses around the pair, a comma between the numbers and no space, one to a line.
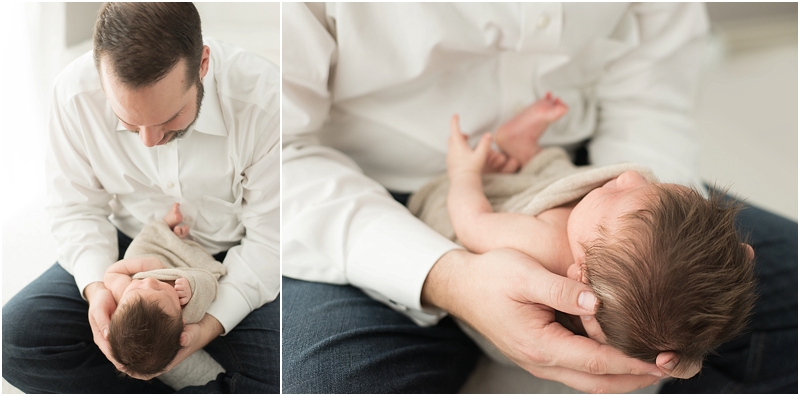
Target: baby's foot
(519,137)
(497,162)
(181,231)
(184,290)
(174,216)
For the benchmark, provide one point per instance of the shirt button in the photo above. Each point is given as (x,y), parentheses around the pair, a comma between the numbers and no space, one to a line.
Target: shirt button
(543,21)
(170,185)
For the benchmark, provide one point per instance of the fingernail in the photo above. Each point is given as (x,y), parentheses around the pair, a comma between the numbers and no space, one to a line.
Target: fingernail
(587,301)
(105,333)
(657,374)
(586,317)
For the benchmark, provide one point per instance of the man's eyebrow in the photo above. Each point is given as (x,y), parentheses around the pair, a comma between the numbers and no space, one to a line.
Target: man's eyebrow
(165,122)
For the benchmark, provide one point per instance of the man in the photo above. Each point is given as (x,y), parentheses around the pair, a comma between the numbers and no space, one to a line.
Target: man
(368,93)
(155,116)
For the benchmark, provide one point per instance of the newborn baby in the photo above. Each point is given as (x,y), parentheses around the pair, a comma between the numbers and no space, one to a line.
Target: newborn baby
(164,282)
(667,266)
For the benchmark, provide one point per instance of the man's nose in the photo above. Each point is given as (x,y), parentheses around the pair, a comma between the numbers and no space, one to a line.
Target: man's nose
(150,136)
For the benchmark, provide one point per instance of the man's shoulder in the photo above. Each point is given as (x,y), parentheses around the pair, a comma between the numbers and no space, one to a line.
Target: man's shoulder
(245,76)
(79,77)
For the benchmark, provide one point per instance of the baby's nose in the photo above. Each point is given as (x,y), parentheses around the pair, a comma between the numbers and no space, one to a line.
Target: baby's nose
(151,282)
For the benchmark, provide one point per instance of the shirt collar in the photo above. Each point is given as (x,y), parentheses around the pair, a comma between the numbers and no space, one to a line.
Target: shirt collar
(210,120)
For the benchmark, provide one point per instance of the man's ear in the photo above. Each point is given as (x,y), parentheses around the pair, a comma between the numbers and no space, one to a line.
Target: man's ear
(750,252)
(204,61)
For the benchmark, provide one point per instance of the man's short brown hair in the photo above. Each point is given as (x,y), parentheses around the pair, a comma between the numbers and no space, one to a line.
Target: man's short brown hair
(674,276)
(144,338)
(144,41)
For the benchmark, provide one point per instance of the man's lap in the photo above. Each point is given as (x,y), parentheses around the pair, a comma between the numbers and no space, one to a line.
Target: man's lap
(48,346)
(336,339)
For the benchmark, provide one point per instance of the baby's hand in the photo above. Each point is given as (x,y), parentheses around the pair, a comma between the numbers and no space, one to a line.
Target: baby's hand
(184,290)
(461,159)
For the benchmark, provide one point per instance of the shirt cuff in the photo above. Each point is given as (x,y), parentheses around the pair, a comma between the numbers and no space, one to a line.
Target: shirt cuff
(230,307)
(392,259)
(89,269)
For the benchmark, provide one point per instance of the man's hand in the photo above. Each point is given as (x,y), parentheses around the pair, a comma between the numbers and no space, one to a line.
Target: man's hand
(101,306)
(510,299)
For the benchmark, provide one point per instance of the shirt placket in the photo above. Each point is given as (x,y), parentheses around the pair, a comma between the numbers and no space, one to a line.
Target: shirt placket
(168,170)
(540,33)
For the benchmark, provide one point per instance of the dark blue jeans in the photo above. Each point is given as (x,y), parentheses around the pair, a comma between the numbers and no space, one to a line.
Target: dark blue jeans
(48,346)
(338,340)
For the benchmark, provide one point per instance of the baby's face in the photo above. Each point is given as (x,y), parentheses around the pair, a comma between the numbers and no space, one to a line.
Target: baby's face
(150,289)
(626,193)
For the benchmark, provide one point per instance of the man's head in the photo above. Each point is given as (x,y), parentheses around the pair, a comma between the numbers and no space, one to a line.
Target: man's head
(144,338)
(151,61)
(670,275)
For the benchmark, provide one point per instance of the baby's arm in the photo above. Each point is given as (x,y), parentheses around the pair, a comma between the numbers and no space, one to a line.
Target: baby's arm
(118,276)
(476,224)
(184,290)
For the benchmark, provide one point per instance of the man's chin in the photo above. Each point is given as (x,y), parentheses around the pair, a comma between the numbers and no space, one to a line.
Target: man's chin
(172,136)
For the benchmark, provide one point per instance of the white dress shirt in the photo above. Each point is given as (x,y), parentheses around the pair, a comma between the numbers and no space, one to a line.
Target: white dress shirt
(224,173)
(369,89)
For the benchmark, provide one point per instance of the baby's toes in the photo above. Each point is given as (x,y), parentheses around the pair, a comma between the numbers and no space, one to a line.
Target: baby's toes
(173,217)
(181,231)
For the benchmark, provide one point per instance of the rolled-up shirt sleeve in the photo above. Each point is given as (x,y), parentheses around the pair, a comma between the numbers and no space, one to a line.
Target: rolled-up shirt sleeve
(340,226)
(646,97)
(77,203)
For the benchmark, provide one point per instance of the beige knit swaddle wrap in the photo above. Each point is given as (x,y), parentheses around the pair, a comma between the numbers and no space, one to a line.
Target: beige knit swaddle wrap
(184,259)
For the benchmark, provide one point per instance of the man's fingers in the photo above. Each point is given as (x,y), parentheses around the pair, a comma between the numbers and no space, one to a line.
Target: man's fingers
(586,355)
(562,294)
(593,329)
(591,383)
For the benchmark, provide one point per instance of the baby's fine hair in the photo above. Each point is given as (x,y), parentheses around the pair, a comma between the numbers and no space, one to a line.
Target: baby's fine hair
(674,276)
(144,338)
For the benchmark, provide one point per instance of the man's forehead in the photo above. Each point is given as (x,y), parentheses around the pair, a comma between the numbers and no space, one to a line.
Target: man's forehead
(150,105)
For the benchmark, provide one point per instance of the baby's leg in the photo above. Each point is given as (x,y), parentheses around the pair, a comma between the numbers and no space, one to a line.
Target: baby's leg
(173,218)
(184,290)
(519,137)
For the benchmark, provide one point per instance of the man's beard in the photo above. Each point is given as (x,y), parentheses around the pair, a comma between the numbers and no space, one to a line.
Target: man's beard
(172,135)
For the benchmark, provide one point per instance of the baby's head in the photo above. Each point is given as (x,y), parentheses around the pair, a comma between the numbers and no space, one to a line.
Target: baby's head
(146,328)
(667,266)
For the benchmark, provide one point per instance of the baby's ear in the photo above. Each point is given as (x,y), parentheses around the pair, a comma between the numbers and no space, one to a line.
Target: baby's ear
(574,272)
(750,253)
